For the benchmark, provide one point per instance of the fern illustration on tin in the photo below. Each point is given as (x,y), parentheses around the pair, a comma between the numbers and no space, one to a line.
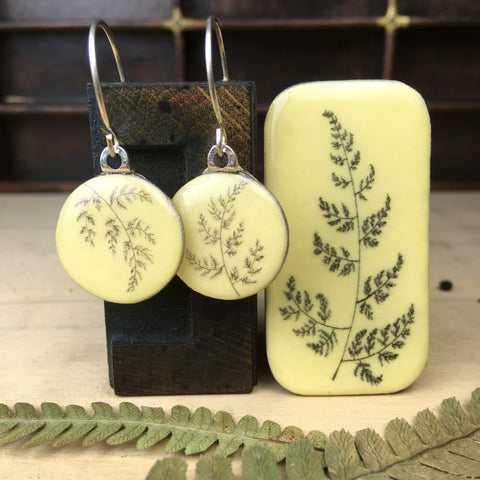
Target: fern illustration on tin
(219,229)
(131,236)
(367,350)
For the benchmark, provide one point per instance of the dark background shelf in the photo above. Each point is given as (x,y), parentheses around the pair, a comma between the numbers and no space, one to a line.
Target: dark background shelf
(45,140)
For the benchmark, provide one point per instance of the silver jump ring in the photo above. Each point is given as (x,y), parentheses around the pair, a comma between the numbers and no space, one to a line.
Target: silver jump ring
(232,161)
(112,139)
(124,162)
(212,22)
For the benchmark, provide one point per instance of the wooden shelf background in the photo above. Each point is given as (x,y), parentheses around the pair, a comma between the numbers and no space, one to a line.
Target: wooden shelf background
(44,133)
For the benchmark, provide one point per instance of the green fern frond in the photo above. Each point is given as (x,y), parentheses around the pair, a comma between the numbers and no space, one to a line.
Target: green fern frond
(440,446)
(434,448)
(213,466)
(303,462)
(259,463)
(173,468)
(191,433)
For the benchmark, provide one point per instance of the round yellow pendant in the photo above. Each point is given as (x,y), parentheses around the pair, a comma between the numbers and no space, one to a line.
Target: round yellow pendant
(236,235)
(120,238)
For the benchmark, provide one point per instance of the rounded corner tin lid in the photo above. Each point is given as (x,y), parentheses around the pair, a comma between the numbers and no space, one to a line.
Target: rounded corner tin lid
(348,313)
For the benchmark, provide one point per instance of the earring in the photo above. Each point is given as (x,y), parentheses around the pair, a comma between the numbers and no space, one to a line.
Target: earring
(236,234)
(118,236)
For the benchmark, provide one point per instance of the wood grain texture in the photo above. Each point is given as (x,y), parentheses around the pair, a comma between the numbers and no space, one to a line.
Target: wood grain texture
(53,346)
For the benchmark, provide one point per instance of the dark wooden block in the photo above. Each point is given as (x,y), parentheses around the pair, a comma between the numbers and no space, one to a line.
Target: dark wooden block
(178,342)
(219,359)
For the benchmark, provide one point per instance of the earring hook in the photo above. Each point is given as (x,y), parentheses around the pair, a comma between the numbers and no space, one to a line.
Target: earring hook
(212,23)
(112,140)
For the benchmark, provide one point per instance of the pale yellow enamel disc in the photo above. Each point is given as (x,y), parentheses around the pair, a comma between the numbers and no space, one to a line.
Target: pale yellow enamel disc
(236,236)
(120,238)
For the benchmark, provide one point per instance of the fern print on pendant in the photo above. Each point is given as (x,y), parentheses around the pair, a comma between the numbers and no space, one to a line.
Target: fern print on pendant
(235,235)
(348,161)
(219,229)
(133,235)
(120,238)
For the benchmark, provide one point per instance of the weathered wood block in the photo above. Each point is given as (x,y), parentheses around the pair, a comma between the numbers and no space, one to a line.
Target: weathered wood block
(178,342)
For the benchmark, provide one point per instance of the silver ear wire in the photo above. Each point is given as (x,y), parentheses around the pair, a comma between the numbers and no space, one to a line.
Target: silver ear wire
(112,140)
(212,23)
(113,146)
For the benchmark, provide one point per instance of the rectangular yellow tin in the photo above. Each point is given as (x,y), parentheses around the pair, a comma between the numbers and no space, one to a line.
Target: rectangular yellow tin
(349,163)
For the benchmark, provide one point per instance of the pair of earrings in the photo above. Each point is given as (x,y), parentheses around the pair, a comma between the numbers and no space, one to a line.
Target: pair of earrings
(122,239)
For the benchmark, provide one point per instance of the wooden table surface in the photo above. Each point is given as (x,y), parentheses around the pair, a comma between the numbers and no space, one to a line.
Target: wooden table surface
(52,345)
